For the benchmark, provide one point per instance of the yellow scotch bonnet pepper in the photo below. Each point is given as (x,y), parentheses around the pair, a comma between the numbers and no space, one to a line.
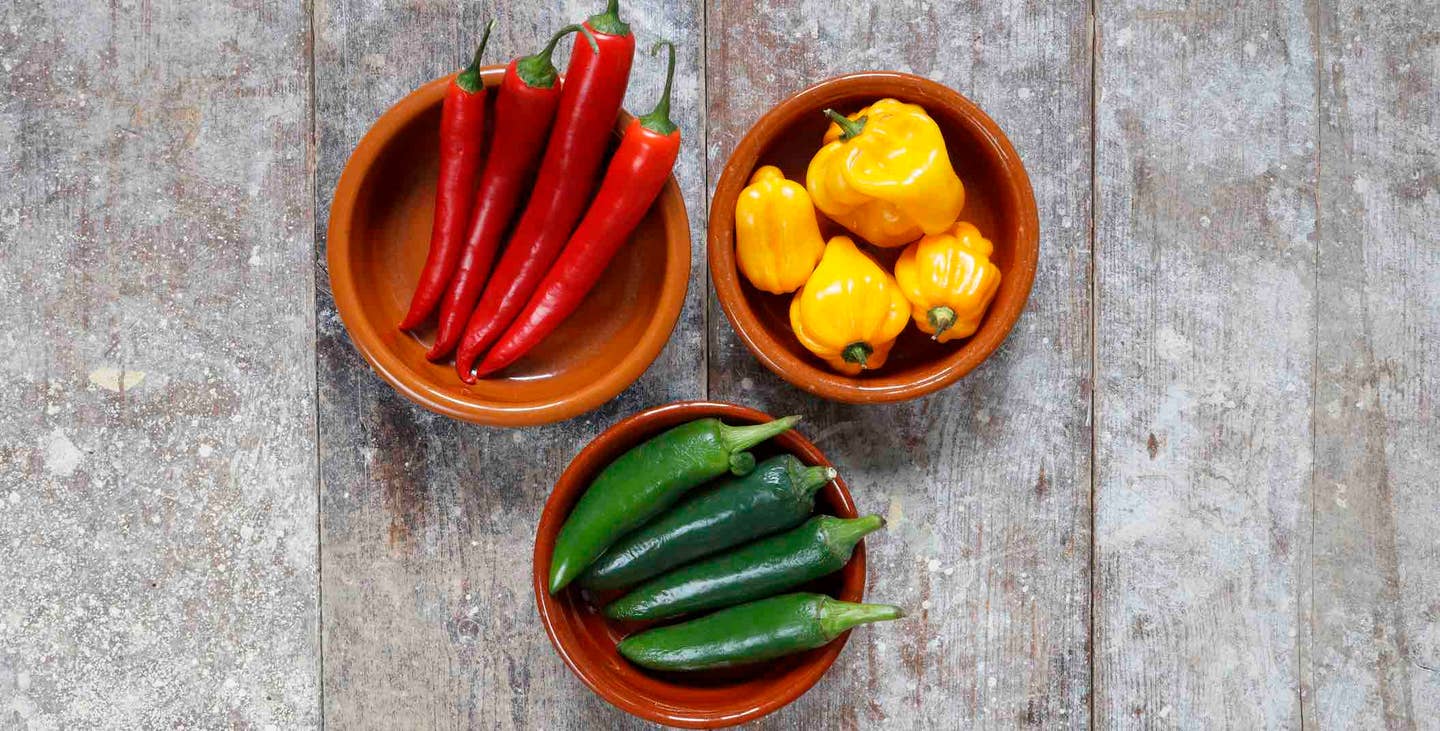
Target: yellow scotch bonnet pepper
(884,173)
(949,280)
(850,310)
(777,239)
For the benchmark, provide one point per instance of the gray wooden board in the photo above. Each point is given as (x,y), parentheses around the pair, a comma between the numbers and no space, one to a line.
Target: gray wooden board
(157,463)
(1205,309)
(427,523)
(1266,332)
(987,484)
(1373,606)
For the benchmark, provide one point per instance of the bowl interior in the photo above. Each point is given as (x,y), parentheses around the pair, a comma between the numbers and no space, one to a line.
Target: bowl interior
(389,237)
(586,639)
(1001,206)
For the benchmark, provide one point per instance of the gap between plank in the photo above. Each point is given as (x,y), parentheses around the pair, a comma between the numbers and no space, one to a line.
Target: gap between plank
(312,152)
(1094,329)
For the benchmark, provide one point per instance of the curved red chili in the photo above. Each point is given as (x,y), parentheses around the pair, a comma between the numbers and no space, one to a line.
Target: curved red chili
(594,88)
(524,108)
(462,127)
(636,174)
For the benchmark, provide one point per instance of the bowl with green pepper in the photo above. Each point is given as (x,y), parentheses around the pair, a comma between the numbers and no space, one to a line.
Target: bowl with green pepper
(700,564)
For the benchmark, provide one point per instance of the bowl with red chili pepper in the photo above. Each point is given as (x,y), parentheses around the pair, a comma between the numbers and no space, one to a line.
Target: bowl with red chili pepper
(383,229)
(587,639)
(998,200)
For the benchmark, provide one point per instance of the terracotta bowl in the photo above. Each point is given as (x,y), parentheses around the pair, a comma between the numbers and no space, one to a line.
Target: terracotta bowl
(998,200)
(586,640)
(379,235)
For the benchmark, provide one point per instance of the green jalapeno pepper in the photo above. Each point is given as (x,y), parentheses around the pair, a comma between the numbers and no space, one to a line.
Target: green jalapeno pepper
(648,479)
(778,495)
(766,567)
(753,632)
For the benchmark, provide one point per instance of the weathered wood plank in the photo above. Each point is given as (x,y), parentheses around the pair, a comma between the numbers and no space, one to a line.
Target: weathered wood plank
(988,483)
(157,463)
(428,523)
(1205,313)
(1374,594)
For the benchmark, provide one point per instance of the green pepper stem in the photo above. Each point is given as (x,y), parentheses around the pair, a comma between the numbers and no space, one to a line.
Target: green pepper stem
(848,127)
(742,463)
(659,119)
(609,22)
(813,478)
(469,79)
(857,353)
(837,616)
(941,318)
(842,535)
(538,70)
(741,438)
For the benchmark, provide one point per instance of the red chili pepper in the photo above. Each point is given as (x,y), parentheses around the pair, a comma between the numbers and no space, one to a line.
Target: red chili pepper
(462,127)
(594,89)
(637,172)
(524,109)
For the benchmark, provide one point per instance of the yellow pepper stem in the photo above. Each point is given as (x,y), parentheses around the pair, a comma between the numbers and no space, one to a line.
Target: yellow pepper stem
(849,128)
(941,318)
(857,353)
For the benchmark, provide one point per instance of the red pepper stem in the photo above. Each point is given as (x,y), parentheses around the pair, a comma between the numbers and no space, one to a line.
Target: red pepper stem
(609,22)
(469,79)
(659,119)
(849,128)
(538,70)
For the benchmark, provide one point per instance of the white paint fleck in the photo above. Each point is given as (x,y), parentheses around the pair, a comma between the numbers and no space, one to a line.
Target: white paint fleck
(747,383)
(247,532)
(925,604)
(1023,92)
(933,564)
(991,682)
(61,454)
(1250,49)
(1204,222)
(205,450)
(517,437)
(116,379)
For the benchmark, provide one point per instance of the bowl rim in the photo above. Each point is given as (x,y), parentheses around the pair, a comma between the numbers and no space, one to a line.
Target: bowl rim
(364,335)
(637,427)
(724,273)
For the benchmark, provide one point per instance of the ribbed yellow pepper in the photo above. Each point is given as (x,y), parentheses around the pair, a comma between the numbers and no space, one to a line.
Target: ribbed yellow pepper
(850,310)
(777,239)
(949,280)
(884,174)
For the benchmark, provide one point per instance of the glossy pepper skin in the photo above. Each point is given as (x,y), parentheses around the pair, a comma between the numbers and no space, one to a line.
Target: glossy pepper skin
(884,173)
(594,88)
(777,496)
(462,128)
(777,238)
(764,568)
(949,280)
(754,632)
(646,480)
(637,172)
(850,310)
(524,108)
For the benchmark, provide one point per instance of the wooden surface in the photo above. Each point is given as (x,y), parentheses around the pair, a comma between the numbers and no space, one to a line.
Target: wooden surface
(1195,488)
(158,562)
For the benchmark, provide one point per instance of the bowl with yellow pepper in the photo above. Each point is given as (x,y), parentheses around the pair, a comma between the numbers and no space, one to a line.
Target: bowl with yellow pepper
(873,238)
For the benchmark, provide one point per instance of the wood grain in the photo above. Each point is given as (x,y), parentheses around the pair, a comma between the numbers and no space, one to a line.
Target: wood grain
(986,484)
(1205,267)
(1374,591)
(428,523)
(157,463)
